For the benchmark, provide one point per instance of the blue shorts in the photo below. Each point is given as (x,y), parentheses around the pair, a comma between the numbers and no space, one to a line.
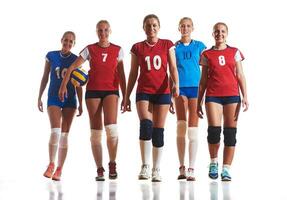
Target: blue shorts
(70,102)
(189,92)
(154,98)
(223,100)
(101,94)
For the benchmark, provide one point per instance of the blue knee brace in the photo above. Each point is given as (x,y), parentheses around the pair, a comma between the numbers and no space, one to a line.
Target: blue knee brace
(157,137)
(213,136)
(145,129)
(229,136)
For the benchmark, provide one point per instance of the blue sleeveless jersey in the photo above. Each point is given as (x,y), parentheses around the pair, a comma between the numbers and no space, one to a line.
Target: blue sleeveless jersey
(187,60)
(58,66)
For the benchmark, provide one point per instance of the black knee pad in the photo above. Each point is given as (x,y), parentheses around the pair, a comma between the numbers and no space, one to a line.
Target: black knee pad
(145,129)
(213,136)
(229,136)
(157,137)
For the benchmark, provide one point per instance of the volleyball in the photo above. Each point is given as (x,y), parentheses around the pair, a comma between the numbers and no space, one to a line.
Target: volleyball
(79,77)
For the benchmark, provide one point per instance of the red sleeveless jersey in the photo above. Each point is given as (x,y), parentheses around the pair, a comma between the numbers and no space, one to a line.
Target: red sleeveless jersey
(153,62)
(103,74)
(222,79)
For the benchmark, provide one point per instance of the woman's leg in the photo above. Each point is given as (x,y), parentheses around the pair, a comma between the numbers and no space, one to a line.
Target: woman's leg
(192,133)
(110,108)
(230,115)
(144,110)
(94,107)
(67,118)
(159,116)
(181,105)
(54,113)
(230,123)
(214,112)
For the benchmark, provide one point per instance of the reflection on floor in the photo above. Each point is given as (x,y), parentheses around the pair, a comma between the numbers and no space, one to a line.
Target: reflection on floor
(89,189)
(148,190)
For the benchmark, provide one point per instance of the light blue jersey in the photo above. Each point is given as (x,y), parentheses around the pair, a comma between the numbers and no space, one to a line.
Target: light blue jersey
(58,66)
(187,60)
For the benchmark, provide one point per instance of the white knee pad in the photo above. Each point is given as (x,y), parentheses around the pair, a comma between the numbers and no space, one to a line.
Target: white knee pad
(112,130)
(96,136)
(192,133)
(63,140)
(181,128)
(54,137)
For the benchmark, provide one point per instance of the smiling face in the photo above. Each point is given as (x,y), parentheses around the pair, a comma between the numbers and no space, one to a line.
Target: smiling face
(151,27)
(220,33)
(103,31)
(185,27)
(68,41)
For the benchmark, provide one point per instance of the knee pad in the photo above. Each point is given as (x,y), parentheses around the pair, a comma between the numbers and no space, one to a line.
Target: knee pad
(55,135)
(192,133)
(111,130)
(213,136)
(229,136)
(96,136)
(145,129)
(63,141)
(181,128)
(157,137)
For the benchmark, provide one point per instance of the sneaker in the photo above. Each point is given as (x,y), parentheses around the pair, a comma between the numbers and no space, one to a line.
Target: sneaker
(225,176)
(181,173)
(144,173)
(155,175)
(57,175)
(49,171)
(213,170)
(100,172)
(190,174)
(112,170)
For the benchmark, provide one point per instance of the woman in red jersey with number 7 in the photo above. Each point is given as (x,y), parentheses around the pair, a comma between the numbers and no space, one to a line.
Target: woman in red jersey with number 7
(222,78)
(153,57)
(106,74)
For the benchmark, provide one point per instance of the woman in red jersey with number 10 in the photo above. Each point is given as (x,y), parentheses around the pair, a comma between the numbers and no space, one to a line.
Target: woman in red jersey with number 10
(154,57)
(222,78)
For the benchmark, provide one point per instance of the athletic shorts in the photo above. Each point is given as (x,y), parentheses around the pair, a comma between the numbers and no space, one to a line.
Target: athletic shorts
(189,92)
(154,98)
(101,94)
(223,100)
(70,102)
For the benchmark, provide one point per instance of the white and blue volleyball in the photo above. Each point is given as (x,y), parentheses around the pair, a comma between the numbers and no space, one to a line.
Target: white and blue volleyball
(79,77)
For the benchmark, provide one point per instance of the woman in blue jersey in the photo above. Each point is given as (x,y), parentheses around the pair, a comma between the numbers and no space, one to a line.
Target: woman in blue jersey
(60,113)
(188,53)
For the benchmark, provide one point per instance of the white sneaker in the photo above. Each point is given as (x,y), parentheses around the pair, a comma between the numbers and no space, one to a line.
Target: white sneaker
(190,175)
(155,175)
(144,173)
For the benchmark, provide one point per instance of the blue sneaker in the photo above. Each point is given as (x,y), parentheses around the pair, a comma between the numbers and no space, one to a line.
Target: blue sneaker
(225,176)
(213,170)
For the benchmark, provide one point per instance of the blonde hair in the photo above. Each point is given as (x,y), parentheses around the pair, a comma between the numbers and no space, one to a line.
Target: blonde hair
(151,16)
(69,32)
(103,21)
(185,18)
(220,23)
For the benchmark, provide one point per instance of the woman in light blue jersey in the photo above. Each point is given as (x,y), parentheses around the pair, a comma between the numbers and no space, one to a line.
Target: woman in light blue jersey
(60,113)
(188,53)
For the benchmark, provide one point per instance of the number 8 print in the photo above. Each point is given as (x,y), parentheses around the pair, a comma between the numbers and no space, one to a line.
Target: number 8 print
(156,62)
(221,60)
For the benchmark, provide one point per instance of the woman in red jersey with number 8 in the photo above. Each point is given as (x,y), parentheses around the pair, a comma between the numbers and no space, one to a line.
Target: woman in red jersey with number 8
(222,79)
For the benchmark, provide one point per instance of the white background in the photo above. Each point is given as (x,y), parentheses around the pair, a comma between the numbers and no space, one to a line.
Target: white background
(29,29)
